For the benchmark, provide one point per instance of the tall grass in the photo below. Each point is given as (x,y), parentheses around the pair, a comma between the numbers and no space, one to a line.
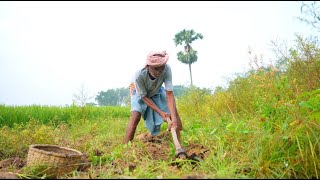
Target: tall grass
(56,114)
(268,119)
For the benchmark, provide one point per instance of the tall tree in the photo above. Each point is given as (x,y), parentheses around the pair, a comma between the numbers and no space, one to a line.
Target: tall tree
(189,56)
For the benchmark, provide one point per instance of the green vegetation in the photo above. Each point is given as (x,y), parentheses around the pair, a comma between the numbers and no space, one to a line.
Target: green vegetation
(265,124)
(11,115)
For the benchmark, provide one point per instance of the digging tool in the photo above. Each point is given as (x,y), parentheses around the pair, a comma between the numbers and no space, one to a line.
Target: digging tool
(180,152)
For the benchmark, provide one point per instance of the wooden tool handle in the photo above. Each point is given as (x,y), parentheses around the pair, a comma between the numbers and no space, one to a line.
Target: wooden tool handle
(174,136)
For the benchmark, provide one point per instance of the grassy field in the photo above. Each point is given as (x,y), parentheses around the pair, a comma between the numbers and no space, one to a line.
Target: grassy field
(281,145)
(265,124)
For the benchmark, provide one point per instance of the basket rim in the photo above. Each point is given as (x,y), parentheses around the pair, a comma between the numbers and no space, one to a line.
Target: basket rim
(33,148)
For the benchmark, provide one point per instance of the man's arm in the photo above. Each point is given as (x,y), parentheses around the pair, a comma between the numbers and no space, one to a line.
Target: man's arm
(153,106)
(172,107)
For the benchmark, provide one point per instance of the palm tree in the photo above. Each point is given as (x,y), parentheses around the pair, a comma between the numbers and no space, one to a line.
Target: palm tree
(189,56)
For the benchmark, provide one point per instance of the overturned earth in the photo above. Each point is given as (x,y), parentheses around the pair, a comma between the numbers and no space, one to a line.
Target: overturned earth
(159,147)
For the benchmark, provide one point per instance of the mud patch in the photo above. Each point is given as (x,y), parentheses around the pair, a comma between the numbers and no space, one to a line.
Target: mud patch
(194,176)
(156,148)
(159,146)
(10,163)
(8,175)
(198,150)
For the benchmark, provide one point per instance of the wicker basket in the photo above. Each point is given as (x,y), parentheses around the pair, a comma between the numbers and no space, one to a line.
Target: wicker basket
(53,160)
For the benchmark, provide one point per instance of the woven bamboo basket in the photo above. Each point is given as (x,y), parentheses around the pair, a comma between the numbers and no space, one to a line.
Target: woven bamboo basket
(54,160)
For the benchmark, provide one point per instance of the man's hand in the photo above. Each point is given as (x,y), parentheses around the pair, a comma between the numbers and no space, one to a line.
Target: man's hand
(165,115)
(171,122)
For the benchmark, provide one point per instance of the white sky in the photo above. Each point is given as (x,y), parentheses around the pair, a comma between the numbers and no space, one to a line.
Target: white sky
(49,49)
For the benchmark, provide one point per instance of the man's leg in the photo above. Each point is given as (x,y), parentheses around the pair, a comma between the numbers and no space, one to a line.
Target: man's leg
(132,126)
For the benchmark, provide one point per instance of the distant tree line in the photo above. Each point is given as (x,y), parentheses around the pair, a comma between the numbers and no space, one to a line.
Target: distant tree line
(121,97)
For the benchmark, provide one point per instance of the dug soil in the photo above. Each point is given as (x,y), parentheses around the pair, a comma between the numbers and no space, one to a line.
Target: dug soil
(160,147)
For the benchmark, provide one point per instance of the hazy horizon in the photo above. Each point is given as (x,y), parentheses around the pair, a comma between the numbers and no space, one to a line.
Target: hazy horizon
(49,49)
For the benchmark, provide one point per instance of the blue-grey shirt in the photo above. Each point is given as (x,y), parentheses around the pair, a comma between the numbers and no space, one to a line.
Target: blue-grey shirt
(145,86)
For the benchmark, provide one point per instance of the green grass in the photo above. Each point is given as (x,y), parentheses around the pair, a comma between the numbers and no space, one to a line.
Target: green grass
(240,147)
(266,124)
(55,114)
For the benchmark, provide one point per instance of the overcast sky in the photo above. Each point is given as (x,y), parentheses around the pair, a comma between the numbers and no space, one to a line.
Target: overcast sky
(49,49)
